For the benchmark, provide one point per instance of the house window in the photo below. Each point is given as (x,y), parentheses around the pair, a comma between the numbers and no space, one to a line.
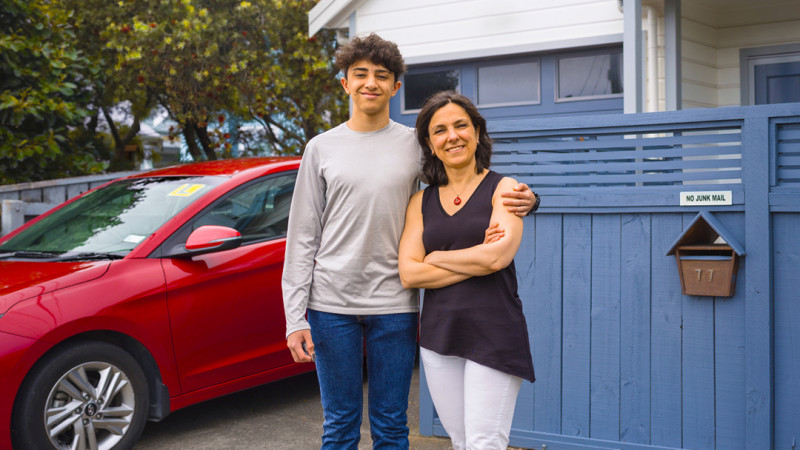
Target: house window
(421,85)
(589,76)
(509,84)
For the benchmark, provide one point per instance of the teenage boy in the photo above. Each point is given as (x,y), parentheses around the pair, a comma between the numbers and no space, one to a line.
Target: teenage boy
(345,223)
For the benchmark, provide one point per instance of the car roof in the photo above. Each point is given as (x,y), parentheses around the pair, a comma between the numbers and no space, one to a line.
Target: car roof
(223,167)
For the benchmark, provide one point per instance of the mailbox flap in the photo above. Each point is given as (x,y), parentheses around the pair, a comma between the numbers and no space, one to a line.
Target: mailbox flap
(704,230)
(712,252)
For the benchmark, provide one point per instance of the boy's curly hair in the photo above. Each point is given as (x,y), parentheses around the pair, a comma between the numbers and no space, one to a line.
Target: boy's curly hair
(374,49)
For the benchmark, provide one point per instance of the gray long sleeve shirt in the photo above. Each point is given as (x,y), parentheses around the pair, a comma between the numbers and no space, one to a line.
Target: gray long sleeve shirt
(347,215)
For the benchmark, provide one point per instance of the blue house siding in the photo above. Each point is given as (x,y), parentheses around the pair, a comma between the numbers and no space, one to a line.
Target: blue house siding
(547,104)
(623,359)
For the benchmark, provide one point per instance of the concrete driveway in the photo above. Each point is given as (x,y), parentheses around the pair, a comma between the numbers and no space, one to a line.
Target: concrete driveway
(285,415)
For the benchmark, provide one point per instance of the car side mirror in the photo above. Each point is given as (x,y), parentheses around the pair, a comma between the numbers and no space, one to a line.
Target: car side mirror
(211,238)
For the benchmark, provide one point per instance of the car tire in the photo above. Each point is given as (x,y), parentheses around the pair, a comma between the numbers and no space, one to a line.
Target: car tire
(90,395)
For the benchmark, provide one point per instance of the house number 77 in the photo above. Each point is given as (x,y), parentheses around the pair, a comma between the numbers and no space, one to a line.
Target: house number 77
(700,274)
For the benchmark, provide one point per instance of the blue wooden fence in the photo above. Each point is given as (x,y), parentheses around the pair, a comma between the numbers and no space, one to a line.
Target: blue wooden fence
(622,358)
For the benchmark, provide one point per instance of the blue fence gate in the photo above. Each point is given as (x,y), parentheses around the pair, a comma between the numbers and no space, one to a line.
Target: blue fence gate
(623,359)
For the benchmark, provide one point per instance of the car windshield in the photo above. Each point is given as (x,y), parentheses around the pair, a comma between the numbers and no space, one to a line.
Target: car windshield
(112,220)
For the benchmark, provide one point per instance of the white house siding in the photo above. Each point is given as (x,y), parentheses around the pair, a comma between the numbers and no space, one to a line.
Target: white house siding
(440,30)
(699,60)
(713,37)
(437,31)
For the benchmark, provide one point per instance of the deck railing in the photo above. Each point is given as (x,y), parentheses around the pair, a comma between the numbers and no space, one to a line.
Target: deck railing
(648,159)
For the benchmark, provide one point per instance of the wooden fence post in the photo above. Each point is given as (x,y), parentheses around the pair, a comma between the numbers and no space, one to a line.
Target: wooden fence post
(759,376)
(13,215)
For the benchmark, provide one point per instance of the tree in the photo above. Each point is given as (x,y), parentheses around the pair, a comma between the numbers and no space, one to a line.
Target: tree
(43,81)
(207,61)
(231,74)
(110,87)
(297,95)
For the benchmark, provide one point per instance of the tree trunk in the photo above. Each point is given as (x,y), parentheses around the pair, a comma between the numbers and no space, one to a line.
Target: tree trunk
(92,125)
(120,142)
(205,141)
(190,137)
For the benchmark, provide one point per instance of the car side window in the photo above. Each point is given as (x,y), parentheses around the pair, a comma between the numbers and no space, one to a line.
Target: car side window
(258,211)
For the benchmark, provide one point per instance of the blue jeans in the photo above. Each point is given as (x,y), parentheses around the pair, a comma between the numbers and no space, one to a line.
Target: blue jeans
(391,341)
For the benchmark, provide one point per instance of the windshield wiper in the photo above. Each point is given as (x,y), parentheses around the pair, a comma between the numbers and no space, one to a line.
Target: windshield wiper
(89,256)
(29,254)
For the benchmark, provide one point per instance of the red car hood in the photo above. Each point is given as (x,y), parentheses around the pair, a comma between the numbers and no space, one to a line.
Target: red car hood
(22,280)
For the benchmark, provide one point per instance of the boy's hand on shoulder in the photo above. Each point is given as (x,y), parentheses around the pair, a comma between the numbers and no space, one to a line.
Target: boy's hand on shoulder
(520,201)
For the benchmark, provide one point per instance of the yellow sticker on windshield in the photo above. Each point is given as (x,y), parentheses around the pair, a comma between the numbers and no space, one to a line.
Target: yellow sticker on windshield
(186,190)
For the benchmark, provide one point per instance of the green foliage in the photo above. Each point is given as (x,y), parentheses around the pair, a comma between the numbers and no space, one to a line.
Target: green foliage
(208,60)
(231,74)
(42,93)
(297,81)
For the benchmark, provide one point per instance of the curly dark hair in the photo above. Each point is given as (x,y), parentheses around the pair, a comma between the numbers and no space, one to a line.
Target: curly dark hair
(432,168)
(374,49)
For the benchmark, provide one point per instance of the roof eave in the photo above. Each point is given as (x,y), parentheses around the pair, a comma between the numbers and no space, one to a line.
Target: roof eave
(330,14)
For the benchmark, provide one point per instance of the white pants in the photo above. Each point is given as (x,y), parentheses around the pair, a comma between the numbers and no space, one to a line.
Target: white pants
(475,403)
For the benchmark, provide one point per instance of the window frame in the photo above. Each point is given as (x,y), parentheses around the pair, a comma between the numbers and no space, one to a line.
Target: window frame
(508,62)
(593,52)
(421,71)
(749,58)
(178,238)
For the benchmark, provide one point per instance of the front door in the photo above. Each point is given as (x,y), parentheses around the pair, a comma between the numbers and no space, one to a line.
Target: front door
(777,83)
(770,74)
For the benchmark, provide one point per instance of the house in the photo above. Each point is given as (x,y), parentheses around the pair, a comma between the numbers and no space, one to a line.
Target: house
(722,43)
(631,118)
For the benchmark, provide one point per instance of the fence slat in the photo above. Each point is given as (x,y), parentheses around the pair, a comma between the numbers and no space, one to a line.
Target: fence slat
(38,208)
(666,411)
(529,157)
(605,329)
(546,321)
(635,329)
(55,194)
(579,141)
(524,261)
(729,176)
(698,368)
(790,132)
(576,344)
(648,166)
(729,356)
(787,329)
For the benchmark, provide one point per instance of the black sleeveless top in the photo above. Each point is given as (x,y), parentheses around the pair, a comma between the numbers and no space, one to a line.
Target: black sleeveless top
(480,318)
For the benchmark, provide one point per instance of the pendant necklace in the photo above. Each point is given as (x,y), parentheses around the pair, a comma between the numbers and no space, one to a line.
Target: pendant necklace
(457,200)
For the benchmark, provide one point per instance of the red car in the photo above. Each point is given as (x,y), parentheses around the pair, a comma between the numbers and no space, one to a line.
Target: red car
(140,297)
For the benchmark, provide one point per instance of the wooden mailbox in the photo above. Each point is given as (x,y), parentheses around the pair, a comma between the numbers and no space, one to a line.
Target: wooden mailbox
(708,257)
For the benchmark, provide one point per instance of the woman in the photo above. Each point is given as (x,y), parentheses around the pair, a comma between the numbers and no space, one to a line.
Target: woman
(473,337)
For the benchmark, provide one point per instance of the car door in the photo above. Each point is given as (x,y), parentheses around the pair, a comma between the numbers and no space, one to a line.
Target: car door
(226,308)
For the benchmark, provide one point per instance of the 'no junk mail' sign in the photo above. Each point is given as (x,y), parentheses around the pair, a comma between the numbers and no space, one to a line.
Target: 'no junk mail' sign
(706,198)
